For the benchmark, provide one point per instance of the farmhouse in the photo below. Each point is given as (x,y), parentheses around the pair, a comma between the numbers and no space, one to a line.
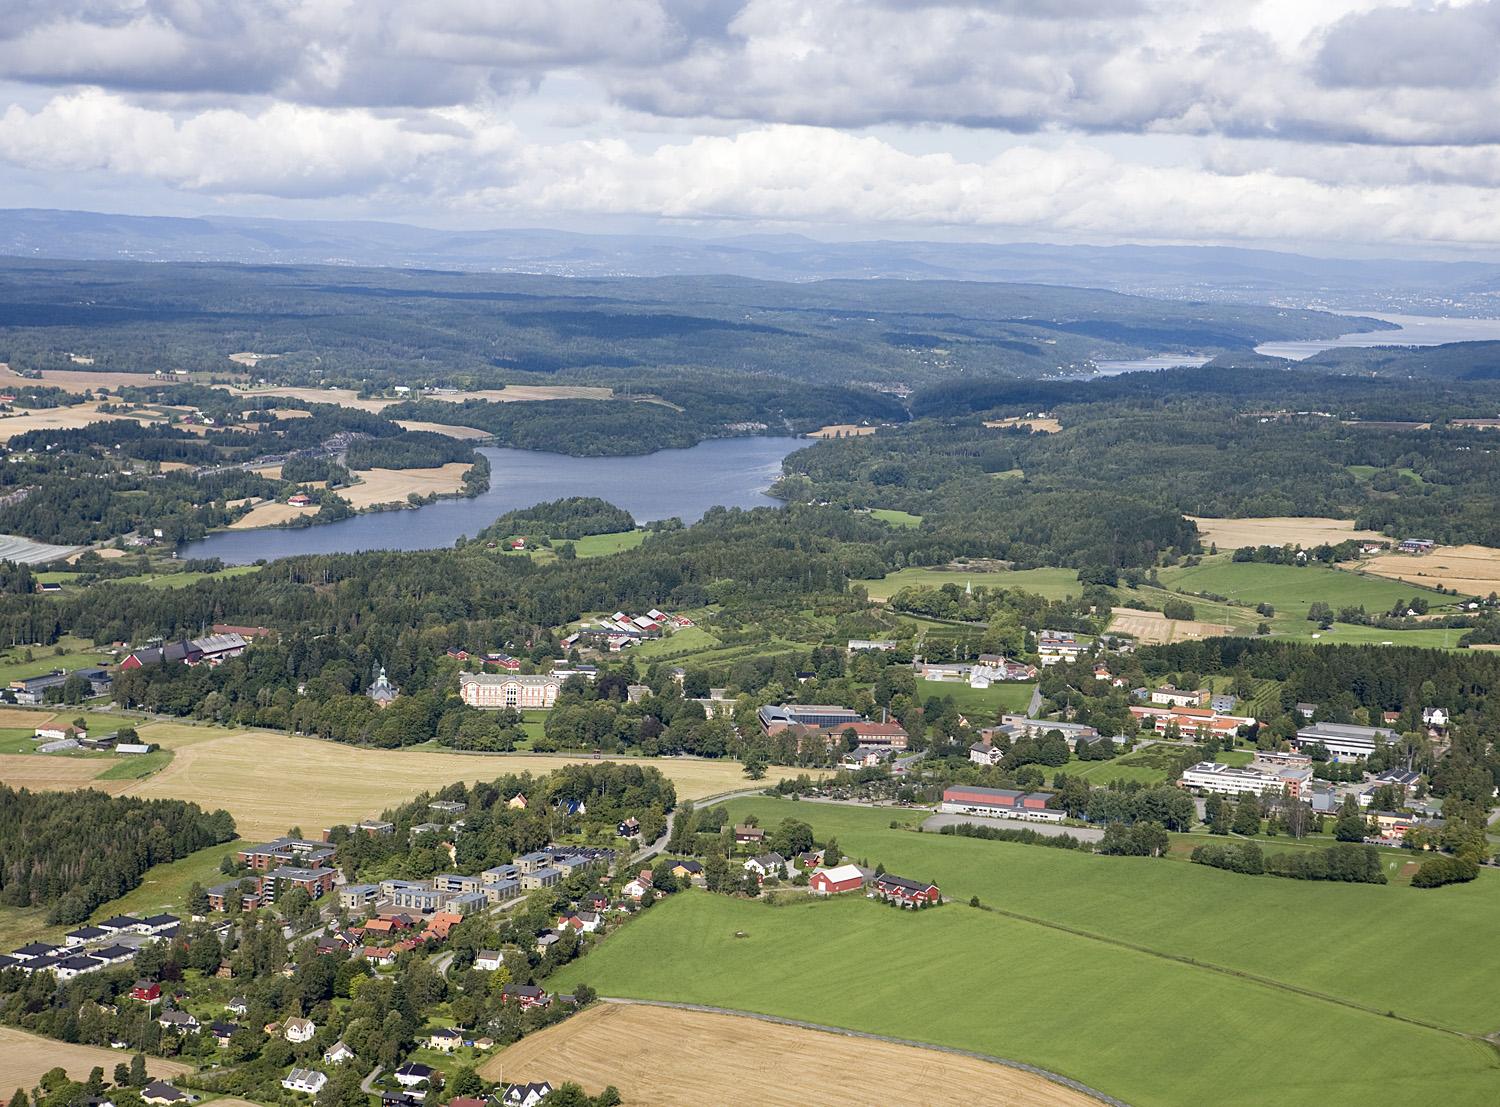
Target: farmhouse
(1343,741)
(843,878)
(298,1030)
(526,995)
(1000,803)
(908,893)
(746,834)
(512,690)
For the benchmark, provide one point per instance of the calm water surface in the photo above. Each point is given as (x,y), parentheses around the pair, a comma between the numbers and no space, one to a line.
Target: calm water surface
(732,472)
(1416,330)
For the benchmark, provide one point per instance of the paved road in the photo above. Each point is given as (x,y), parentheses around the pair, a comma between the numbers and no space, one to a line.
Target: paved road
(1087,833)
(843,1031)
(660,845)
(367,1085)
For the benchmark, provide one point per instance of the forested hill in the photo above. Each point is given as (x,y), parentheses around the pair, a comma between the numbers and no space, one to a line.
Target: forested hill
(346,325)
(72,851)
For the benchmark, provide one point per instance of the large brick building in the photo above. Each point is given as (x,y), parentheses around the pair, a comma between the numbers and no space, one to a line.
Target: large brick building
(512,690)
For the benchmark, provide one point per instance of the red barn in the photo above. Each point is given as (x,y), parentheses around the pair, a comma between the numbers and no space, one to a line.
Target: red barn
(843,878)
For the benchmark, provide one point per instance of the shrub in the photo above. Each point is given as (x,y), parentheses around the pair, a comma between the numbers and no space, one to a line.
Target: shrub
(1437,871)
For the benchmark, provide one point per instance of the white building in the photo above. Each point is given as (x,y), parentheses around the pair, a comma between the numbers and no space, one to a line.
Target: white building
(1343,741)
(310,1081)
(1227,780)
(511,690)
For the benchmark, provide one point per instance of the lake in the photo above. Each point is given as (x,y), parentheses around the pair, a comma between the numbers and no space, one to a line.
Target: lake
(728,472)
(1416,330)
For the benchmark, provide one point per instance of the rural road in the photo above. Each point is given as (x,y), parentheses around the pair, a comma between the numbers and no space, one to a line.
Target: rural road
(660,845)
(367,1085)
(1087,833)
(844,1032)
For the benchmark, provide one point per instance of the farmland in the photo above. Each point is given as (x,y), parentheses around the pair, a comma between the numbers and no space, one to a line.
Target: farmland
(1153,628)
(1075,927)
(25,1057)
(1231,534)
(1291,589)
(1055,584)
(1474,570)
(242,770)
(663,1057)
(382,486)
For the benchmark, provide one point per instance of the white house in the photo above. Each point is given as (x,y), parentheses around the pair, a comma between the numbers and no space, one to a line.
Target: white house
(310,1081)
(768,864)
(525,1095)
(298,1030)
(488,960)
(338,1054)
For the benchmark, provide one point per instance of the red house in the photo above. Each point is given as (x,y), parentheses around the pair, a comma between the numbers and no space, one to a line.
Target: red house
(527,995)
(908,893)
(843,878)
(146,991)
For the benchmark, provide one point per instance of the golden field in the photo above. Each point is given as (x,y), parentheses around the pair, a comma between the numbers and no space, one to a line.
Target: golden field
(1231,534)
(665,1057)
(25,1057)
(1044,425)
(1152,628)
(441,428)
(384,486)
(1473,570)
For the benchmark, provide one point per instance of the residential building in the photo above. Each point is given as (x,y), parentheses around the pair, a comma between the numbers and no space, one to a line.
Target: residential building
(908,893)
(317,883)
(1058,646)
(526,1095)
(488,960)
(180,1021)
(355,897)
(1172,696)
(527,995)
(308,1081)
(454,882)
(411,895)
(744,835)
(159,1093)
(445,1039)
(298,1029)
(512,690)
(767,864)
(413,1073)
(545,877)
(286,851)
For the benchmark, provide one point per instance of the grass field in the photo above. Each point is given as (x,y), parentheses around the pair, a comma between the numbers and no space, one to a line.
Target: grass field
(1291,590)
(1055,584)
(25,1057)
(1112,942)
(137,766)
(598,545)
(77,654)
(1147,1029)
(661,1057)
(986,702)
(896,518)
(1146,766)
(680,643)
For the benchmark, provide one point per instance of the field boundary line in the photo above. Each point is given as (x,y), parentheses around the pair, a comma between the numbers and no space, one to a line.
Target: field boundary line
(843,1031)
(1254,978)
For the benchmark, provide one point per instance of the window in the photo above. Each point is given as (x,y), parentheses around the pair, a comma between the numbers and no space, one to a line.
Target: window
(512,695)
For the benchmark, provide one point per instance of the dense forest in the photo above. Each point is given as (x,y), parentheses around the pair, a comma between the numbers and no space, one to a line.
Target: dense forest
(71,851)
(350,326)
(573,517)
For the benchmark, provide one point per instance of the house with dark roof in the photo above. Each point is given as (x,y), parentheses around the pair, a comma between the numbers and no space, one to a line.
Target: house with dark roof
(526,995)
(413,1073)
(908,893)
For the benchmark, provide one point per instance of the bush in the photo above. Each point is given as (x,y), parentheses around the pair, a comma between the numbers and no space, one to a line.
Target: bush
(1437,871)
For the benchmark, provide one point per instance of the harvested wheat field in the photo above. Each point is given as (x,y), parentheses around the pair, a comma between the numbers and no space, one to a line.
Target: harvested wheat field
(1474,570)
(840,430)
(665,1057)
(441,428)
(1152,628)
(244,771)
(1047,425)
(25,1057)
(385,486)
(50,773)
(24,718)
(1280,530)
(109,553)
(54,418)
(516,393)
(270,513)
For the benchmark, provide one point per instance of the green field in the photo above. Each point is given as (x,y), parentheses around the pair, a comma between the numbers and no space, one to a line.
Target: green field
(1290,590)
(988,702)
(76,654)
(1146,1028)
(896,518)
(598,545)
(1055,584)
(680,643)
(1365,472)
(137,766)
(183,580)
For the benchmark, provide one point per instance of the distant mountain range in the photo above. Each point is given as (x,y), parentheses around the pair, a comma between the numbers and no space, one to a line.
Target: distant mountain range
(1217,273)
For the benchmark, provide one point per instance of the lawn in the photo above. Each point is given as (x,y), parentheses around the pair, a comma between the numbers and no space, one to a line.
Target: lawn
(1351,941)
(1148,1029)
(1290,590)
(987,702)
(1055,584)
(680,643)
(896,518)
(1146,766)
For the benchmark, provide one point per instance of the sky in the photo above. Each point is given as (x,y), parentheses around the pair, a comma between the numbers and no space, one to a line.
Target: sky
(1334,126)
